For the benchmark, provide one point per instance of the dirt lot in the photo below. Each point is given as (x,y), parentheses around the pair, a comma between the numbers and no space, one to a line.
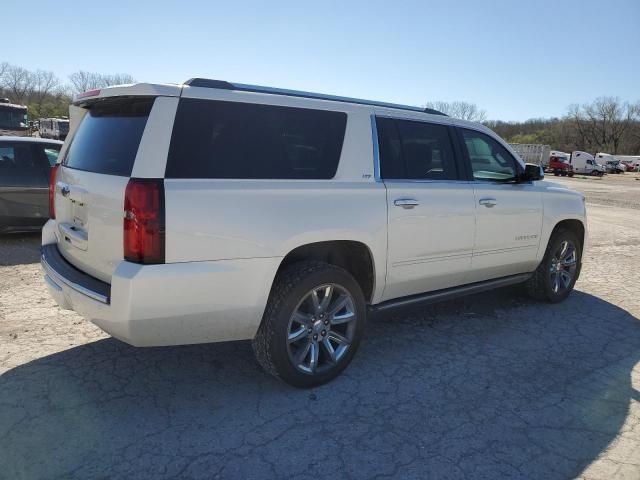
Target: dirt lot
(492,386)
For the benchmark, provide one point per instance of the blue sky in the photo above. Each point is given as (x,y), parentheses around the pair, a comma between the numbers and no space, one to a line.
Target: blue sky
(515,59)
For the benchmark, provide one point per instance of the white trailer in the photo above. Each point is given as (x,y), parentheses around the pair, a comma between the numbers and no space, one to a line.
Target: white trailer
(532,152)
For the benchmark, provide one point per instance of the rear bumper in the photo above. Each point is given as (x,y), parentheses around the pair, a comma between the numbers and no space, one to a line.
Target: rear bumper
(170,304)
(61,273)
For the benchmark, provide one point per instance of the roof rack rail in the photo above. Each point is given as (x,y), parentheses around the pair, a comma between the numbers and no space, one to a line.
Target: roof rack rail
(224,85)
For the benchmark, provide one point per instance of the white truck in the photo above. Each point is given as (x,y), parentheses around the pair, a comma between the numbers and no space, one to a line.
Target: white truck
(586,164)
(215,211)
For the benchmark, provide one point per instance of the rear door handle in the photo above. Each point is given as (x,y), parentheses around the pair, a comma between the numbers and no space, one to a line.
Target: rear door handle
(488,202)
(406,202)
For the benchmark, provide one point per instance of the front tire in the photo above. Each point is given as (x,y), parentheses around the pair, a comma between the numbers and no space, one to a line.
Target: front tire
(312,325)
(559,270)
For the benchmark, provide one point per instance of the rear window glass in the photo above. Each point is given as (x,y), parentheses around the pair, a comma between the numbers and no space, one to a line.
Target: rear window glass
(108,137)
(214,139)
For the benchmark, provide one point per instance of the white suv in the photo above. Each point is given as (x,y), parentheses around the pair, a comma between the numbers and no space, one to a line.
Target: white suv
(213,211)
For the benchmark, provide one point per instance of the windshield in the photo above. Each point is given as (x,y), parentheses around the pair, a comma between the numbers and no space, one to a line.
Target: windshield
(63,126)
(13,117)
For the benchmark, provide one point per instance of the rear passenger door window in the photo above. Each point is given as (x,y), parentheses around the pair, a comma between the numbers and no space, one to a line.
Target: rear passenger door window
(414,150)
(489,160)
(215,139)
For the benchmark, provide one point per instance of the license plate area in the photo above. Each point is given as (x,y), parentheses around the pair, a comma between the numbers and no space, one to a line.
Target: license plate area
(79,214)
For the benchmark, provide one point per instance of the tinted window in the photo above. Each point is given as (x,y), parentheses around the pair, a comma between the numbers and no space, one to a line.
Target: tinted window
(415,150)
(22,160)
(489,160)
(108,137)
(214,139)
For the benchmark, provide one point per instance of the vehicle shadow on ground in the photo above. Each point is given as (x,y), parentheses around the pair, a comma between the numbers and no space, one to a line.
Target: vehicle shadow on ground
(19,248)
(462,389)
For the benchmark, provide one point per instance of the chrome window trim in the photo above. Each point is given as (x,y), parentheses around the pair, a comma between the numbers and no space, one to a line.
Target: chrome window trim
(413,180)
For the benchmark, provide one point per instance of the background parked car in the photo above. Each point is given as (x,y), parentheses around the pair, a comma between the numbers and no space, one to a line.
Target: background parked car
(25,165)
(632,162)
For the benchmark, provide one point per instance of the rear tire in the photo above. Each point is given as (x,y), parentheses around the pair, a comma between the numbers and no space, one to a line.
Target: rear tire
(559,270)
(312,325)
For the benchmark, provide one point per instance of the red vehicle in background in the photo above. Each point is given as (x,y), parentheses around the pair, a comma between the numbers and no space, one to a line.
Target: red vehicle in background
(559,164)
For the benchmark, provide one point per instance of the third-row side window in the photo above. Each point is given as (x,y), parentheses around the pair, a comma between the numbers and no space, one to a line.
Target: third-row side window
(216,139)
(415,150)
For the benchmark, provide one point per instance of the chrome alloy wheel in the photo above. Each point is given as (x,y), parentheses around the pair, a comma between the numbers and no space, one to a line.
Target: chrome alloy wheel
(563,266)
(321,328)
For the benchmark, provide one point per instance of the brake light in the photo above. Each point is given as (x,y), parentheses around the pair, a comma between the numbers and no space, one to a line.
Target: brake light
(52,190)
(144,225)
(89,93)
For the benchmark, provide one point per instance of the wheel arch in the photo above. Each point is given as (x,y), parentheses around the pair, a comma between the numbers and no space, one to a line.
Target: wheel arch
(352,255)
(574,225)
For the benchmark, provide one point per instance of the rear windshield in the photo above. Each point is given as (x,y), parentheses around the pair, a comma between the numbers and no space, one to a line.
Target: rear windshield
(215,139)
(108,137)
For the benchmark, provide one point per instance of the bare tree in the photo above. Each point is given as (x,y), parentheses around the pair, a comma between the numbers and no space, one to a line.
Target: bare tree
(18,82)
(44,84)
(4,66)
(459,109)
(603,124)
(82,81)
(117,79)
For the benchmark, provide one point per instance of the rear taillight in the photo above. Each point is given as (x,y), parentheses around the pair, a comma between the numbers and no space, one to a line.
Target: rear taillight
(52,190)
(144,221)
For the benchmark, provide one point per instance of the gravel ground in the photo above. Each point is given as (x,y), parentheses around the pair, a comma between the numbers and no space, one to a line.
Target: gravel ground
(491,386)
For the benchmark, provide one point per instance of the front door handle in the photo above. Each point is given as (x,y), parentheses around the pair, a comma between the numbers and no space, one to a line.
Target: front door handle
(406,203)
(488,202)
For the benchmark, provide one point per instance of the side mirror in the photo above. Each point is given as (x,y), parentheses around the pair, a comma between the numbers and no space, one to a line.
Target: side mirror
(532,172)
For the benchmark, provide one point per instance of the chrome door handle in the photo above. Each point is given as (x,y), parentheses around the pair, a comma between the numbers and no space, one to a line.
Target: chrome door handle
(488,202)
(406,202)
